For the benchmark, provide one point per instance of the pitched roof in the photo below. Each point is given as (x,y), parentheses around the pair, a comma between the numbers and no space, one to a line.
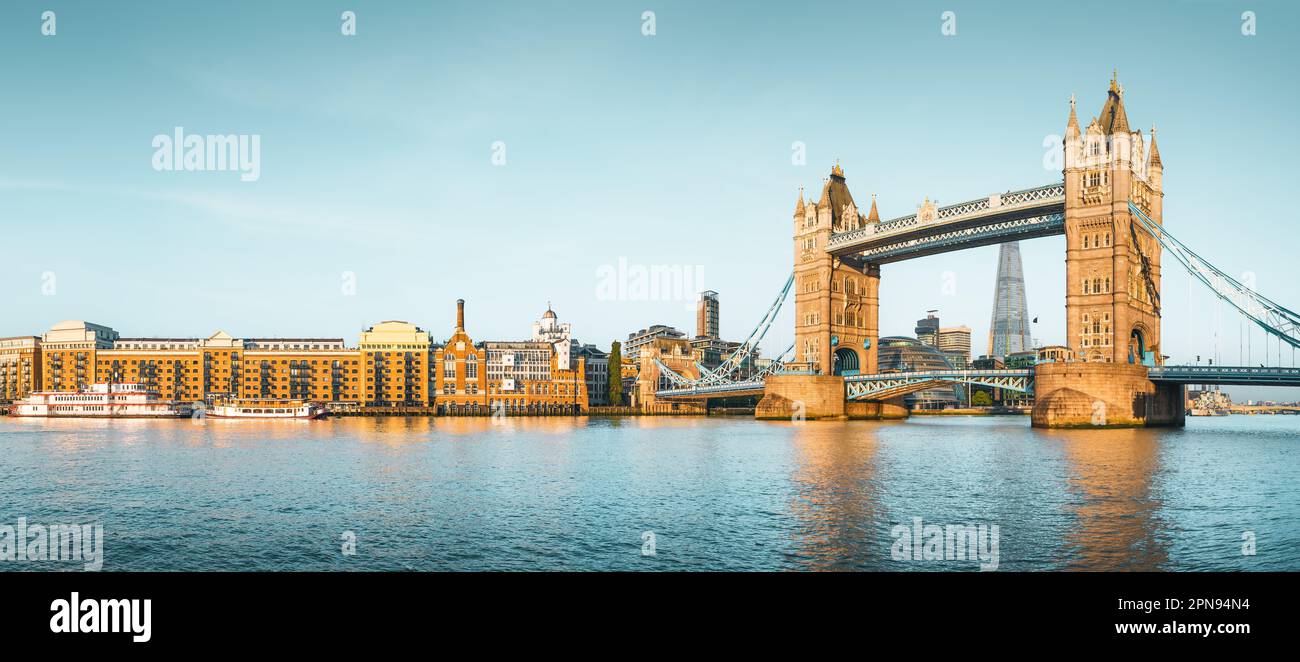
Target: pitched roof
(1113,119)
(835,194)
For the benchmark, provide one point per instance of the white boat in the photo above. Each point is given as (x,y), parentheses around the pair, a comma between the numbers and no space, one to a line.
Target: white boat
(100,401)
(279,409)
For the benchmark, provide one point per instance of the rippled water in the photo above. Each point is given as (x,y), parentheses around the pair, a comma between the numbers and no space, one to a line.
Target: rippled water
(719,494)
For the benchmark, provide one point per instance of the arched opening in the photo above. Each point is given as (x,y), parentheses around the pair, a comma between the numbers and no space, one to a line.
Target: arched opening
(1137,347)
(846,361)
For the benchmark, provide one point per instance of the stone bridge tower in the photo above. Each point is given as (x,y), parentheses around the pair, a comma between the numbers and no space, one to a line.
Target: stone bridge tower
(1112,289)
(836,299)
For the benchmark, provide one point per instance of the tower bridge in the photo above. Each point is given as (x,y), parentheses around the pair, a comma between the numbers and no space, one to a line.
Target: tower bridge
(1108,205)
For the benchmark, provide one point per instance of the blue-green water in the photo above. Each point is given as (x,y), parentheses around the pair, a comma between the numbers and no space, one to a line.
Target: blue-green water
(718,494)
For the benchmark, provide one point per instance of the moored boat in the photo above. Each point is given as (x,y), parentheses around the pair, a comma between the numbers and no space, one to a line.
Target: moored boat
(100,401)
(276,409)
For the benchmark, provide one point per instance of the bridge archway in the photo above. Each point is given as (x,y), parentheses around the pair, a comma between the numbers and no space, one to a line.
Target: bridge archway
(846,361)
(1137,345)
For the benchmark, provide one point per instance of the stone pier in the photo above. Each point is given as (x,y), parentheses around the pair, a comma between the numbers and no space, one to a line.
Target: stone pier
(813,397)
(1103,395)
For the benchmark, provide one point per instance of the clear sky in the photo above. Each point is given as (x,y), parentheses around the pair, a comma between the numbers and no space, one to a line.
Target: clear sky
(376,156)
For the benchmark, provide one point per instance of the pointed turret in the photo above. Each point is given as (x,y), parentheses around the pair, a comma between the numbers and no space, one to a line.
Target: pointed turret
(1072,127)
(1113,118)
(873,216)
(1154,159)
(835,194)
(798,205)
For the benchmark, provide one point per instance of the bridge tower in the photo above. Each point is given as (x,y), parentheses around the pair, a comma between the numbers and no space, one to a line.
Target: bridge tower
(836,315)
(1112,288)
(836,299)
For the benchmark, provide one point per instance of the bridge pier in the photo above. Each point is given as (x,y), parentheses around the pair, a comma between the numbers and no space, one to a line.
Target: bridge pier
(812,397)
(1103,395)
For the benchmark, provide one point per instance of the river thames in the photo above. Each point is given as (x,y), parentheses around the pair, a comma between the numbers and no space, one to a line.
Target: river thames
(716,493)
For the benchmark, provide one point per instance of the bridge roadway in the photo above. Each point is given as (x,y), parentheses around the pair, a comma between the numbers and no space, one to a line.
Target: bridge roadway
(883,386)
(999,218)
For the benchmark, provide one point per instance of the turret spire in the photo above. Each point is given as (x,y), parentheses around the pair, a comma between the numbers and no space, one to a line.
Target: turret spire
(873,216)
(1113,118)
(1072,127)
(1154,159)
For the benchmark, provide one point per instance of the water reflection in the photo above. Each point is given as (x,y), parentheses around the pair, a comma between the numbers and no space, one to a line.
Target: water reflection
(835,496)
(1115,511)
(720,494)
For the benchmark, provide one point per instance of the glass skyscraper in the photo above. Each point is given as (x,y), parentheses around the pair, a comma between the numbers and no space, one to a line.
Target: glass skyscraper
(1009,330)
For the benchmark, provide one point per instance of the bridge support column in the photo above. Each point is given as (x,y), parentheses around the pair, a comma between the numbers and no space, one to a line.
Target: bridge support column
(1103,395)
(877,410)
(810,397)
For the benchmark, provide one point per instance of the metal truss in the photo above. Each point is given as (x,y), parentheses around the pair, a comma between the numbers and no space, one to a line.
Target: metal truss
(1043,198)
(1226,375)
(884,386)
(1273,318)
(716,389)
(726,372)
(679,380)
(981,235)
(688,387)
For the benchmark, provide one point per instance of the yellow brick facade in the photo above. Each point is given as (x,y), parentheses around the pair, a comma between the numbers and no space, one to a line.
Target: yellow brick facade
(395,361)
(393,365)
(20,367)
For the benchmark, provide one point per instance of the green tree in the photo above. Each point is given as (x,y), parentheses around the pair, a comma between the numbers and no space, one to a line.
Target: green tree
(981,399)
(616,373)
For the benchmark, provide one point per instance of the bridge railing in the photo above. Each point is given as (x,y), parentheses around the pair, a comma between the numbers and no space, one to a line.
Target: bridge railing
(1025,198)
(1210,373)
(942,374)
(708,390)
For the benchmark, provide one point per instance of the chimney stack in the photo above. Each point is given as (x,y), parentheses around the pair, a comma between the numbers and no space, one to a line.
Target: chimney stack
(460,314)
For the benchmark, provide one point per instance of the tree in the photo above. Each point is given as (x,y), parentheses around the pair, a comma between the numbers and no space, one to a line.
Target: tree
(981,399)
(616,373)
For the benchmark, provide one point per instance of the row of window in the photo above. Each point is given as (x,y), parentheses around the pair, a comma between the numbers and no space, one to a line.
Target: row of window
(1096,240)
(1096,285)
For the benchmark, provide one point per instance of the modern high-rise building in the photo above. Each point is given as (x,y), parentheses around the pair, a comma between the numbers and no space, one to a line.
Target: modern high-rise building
(927,329)
(954,342)
(1009,329)
(707,315)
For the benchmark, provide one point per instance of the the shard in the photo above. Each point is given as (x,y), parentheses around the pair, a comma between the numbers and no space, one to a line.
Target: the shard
(1009,329)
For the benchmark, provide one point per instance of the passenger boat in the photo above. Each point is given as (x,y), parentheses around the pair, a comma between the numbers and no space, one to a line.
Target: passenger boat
(265,409)
(100,401)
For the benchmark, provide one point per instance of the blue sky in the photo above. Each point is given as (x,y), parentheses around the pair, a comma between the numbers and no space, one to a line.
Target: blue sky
(672,149)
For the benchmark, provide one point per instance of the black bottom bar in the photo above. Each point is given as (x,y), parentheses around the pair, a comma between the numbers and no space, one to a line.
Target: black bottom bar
(941,613)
